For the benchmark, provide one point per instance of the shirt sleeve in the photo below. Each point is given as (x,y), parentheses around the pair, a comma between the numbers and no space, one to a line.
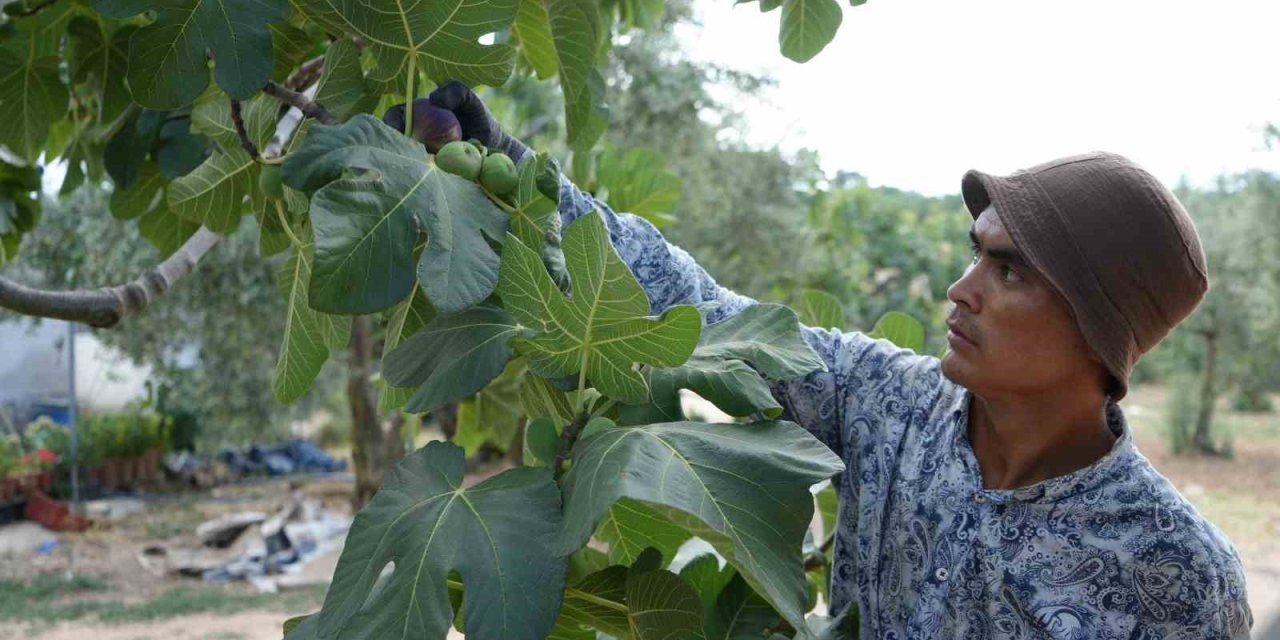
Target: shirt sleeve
(670,276)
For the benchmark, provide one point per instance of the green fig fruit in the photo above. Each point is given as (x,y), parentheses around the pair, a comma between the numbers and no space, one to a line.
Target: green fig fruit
(460,159)
(498,174)
(269,181)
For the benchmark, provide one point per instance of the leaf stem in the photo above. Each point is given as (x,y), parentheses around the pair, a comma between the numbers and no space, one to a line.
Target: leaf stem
(284,222)
(408,94)
(568,437)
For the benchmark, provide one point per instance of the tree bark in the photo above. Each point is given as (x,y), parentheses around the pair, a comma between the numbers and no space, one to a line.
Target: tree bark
(368,446)
(1203,438)
(109,305)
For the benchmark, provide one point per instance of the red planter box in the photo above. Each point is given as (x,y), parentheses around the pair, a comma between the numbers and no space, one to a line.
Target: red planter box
(53,514)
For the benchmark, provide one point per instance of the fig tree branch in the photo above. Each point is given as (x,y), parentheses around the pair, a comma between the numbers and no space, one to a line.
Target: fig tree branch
(307,106)
(567,439)
(106,306)
(238,119)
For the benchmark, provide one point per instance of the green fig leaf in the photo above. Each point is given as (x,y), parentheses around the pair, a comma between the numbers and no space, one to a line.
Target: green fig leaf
(168,65)
(442,40)
(32,97)
(739,613)
(601,331)
(900,329)
(309,335)
(532,29)
(638,182)
(820,309)
(343,88)
(493,415)
(366,226)
(807,27)
(498,535)
(213,195)
(452,357)
(743,488)
(406,320)
(727,366)
(630,527)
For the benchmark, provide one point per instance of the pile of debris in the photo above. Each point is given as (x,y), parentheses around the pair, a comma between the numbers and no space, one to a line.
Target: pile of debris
(291,456)
(268,551)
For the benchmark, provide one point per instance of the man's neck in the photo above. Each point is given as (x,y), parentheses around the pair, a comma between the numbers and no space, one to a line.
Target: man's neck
(1022,441)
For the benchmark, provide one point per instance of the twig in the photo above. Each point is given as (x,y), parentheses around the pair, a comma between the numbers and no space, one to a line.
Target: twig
(306,75)
(107,306)
(567,439)
(307,106)
(249,146)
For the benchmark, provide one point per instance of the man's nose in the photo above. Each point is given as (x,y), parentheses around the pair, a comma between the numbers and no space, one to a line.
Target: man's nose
(964,291)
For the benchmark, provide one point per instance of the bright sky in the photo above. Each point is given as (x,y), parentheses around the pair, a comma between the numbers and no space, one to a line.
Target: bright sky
(914,92)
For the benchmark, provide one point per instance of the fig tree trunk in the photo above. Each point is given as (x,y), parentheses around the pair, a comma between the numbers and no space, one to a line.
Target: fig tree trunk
(373,450)
(1203,438)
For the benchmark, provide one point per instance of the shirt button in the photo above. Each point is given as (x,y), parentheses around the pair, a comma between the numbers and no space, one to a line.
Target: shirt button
(978,497)
(941,575)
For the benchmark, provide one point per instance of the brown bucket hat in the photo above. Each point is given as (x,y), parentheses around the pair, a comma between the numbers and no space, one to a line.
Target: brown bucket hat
(1114,242)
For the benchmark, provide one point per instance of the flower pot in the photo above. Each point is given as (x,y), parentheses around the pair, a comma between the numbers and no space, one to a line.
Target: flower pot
(44,481)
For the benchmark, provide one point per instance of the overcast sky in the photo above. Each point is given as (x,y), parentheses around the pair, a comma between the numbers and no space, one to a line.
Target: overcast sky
(913,92)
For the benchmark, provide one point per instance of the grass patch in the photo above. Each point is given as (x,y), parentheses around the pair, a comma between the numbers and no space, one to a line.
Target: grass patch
(49,598)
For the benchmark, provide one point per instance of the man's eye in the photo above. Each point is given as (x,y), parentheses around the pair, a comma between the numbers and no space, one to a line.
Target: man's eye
(1006,272)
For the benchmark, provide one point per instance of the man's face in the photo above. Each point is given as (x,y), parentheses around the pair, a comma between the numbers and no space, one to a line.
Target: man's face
(1022,339)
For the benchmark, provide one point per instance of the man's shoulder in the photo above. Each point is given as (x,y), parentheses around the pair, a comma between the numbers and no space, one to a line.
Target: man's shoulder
(1183,569)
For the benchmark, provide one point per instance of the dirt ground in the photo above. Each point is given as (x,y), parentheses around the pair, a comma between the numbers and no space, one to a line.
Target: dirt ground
(1241,496)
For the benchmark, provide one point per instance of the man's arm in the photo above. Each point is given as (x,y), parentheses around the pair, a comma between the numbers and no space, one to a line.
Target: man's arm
(668,274)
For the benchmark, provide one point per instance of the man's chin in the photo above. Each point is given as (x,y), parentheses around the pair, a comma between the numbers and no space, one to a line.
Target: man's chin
(954,370)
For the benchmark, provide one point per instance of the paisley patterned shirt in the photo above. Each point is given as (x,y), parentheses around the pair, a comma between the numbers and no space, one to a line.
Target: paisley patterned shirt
(1111,551)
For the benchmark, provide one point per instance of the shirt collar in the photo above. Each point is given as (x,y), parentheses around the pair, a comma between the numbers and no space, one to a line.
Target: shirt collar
(1090,478)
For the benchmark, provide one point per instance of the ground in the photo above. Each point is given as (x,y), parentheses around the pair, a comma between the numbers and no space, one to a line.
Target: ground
(113,598)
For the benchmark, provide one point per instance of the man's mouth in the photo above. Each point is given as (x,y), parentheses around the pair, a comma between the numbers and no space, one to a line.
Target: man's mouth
(957,336)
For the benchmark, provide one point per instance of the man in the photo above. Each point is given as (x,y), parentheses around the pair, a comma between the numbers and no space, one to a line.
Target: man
(997,493)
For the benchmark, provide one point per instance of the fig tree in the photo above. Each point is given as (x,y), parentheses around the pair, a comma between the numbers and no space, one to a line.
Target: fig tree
(460,159)
(269,181)
(432,126)
(498,174)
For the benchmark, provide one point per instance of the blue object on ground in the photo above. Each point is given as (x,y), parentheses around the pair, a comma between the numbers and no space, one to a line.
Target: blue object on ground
(296,455)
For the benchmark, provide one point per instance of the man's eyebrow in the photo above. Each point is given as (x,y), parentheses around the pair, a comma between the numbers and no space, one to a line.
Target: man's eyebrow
(1008,254)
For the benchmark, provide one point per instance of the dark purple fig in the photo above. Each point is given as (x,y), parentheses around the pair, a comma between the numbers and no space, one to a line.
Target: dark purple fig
(432,126)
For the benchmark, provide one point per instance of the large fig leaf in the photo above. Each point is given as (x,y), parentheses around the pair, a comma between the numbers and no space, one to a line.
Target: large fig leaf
(821,309)
(32,97)
(743,488)
(740,613)
(533,30)
(807,27)
(99,58)
(406,320)
(633,603)
(366,225)
(493,415)
(630,527)
(900,329)
(601,331)
(452,357)
(168,59)
(498,535)
(343,89)
(638,182)
(441,38)
(764,336)
(309,335)
(577,30)
(214,193)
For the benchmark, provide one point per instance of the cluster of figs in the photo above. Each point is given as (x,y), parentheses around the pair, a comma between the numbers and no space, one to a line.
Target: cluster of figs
(439,130)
